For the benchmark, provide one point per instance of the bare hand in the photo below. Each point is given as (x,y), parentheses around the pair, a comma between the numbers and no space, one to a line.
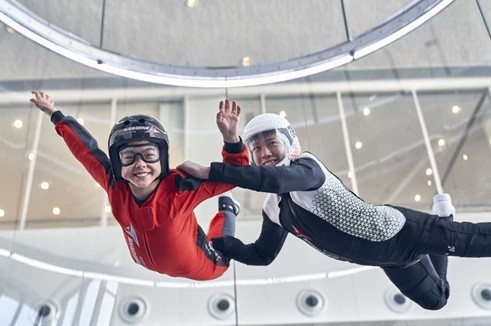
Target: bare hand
(195,169)
(43,102)
(227,120)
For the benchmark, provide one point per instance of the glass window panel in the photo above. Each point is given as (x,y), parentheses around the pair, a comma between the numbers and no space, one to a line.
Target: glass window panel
(67,178)
(15,136)
(8,307)
(316,122)
(70,310)
(107,309)
(388,149)
(89,302)
(26,316)
(459,127)
(172,118)
(322,134)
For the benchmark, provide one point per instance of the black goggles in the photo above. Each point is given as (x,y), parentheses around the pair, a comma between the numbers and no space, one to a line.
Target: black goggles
(149,153)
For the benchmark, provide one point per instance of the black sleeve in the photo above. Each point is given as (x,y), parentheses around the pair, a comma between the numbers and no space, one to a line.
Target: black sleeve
(234,148)
(187,183)
(57,116)
(262,252)
(303,174)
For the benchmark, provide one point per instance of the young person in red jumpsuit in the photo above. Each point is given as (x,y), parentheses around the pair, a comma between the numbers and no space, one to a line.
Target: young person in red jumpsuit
(152,203)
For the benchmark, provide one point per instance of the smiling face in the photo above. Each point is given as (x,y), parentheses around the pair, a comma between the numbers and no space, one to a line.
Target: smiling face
(140,166)
(267,148)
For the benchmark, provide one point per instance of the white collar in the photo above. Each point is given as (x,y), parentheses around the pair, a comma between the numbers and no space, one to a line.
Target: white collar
(284,162)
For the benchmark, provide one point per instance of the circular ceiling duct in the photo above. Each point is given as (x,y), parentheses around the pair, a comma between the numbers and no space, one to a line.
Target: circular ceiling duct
(17,17)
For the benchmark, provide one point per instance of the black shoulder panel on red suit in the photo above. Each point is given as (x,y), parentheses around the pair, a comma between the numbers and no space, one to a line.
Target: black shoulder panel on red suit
(187,183)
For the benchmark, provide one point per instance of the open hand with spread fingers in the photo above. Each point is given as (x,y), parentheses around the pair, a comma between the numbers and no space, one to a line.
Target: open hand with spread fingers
(43,102)
(227,120)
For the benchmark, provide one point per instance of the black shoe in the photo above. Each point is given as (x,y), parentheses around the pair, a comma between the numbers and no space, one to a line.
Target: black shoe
(227,203)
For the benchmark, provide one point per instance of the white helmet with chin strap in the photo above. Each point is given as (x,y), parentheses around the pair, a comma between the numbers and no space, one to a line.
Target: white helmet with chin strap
(269,122)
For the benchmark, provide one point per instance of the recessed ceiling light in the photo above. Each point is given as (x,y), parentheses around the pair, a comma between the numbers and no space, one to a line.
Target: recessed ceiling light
(56,210)
(97,185)
(81,121)
(2,213)
(429,171)
(45,185)
(464,157)
(246,61)
(30,156)
(456,109)
(9,29)
(107,209)
(430,183)
(358,145)
(350,174)
(417,197)
(366,111)
(283,114)
(441,142)
(18,124)
(191,3)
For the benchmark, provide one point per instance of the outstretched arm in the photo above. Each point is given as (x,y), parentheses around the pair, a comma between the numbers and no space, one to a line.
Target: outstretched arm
(303,174)
(80,142)
(43,102)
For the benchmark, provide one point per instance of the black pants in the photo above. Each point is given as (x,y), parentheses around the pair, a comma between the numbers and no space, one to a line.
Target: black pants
(425,281)
(421,283)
